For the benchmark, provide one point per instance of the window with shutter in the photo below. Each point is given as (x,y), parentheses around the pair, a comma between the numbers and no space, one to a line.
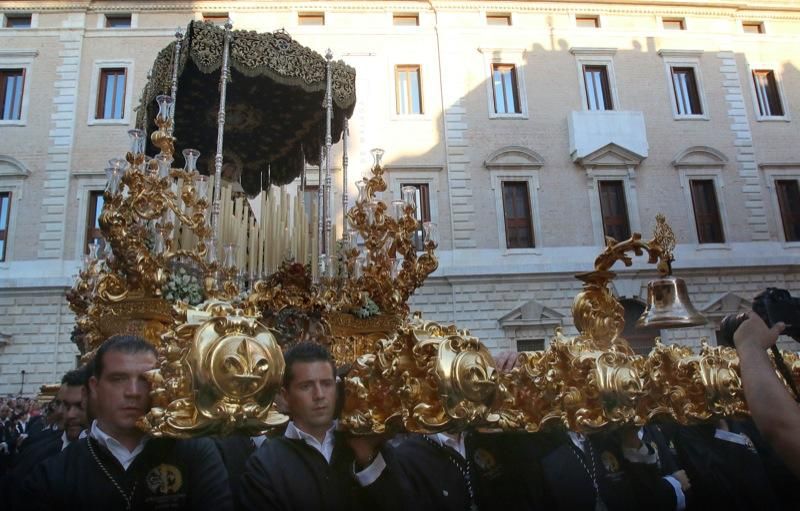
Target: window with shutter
(614,210)
(706,212)
(789,202)
(517,213)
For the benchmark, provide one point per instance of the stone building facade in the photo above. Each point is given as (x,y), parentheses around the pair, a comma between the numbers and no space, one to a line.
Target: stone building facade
(531,128)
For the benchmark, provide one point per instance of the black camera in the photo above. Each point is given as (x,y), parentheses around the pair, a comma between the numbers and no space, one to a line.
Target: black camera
(773,306)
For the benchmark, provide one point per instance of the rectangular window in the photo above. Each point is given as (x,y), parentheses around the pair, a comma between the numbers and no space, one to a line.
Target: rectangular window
(11,84)
(706,212)
(687,98)
(18,20)
(422,202)
(119,21)
(5,213)
(587,21)
(311,18)
(614,209)
(789,203)
(217,18)
(111,94)
(498,20)
(405,20)
(753,27)
(408,90)
(530,344)
(93,231)
(506,95)
(769,100)
(517,214)
(674,24)
(598,89)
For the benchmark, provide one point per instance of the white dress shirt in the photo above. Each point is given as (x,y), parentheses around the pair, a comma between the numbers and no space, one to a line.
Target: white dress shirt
(119,451)
(325,448)
(643,455)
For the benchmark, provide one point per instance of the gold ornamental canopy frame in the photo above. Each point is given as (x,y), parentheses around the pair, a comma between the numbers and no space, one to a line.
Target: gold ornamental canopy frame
(220,328)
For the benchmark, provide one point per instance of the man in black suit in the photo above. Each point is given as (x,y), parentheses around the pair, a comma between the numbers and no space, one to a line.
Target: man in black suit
(311,466)
(118,466)
(609,470)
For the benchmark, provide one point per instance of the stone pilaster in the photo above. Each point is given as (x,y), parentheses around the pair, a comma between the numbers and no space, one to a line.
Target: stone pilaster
(61,136)
(745,153)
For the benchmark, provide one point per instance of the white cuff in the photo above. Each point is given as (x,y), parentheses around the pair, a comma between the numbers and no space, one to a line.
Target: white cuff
(371,474)
(679,496)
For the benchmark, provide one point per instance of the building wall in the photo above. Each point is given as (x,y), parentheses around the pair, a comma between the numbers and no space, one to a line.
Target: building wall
(503,296)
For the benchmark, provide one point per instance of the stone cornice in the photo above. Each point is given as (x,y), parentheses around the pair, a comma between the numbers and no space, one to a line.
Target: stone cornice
(779,165)
(414,168)
(11,53)
(680,53)
(581,50)
(764,8)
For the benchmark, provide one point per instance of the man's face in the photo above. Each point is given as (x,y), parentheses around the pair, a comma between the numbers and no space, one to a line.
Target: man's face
(74,414)
(122,394)
(311,395)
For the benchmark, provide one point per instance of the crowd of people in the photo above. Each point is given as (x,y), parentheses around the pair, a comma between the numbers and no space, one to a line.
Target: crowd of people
(84,451)
(21,417)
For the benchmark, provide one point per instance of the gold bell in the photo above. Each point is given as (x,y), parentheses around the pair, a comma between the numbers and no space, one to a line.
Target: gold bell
(668,305)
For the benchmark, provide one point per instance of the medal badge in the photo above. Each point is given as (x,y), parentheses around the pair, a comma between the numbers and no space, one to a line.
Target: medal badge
(164,479)
(610,462)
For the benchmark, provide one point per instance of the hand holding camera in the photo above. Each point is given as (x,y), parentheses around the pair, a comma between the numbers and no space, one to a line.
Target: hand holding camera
(775,312)
(773,306)
(753,330)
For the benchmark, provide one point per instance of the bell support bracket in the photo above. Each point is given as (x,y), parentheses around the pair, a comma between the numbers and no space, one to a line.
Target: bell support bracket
(599,317)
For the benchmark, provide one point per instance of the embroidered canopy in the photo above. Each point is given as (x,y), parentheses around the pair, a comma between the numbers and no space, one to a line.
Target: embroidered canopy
(275,119)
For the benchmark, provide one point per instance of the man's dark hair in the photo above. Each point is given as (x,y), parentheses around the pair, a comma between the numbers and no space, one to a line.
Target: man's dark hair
(305,352)
(75,378)
(121,343)
(88,370)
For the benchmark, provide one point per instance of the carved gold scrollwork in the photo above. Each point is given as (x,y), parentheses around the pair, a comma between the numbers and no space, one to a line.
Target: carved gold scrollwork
(467,378)
(220,364)
(442,383)
(216,376)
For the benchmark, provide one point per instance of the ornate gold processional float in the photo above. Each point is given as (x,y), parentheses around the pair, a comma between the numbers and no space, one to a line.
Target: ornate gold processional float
(222,285)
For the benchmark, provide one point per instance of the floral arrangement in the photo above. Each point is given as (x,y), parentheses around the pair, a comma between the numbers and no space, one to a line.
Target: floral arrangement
(368,308)
(183,286)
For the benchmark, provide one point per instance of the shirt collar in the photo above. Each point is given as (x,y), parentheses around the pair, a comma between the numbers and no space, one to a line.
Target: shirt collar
(325,448)
(119,451)
(453,441)
(578,439)
(258,440)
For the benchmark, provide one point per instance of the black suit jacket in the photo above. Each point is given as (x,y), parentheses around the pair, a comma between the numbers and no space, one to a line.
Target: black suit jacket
(287,474)
(167,474)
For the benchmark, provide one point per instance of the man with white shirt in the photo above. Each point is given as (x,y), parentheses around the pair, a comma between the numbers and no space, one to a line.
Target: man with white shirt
(462,471)
(49,442)
(724,461)
(309,467)
(609,471)
(118,466)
